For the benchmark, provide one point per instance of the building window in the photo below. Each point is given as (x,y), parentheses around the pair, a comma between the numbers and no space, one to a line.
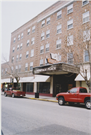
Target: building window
(32,53)
(42,36)
(2,71)
(28,32)
(32,41)
(21,35)
(14,40)
(17,47)
(86,56)
(17,58)
(12,59)
(41,62)
(31,65)
(59,14)
(27,53)
(48,20)
(43,23)
(70,9)
(58,44)
(86,17)
(70,40)
(26,67)
(21,46)
(20,56)
(59,29)
(70,24)
(70,58)
(84,2)
(46,61)
(19,68)
(12,69)
(42,49)
(5,70)
(16,69)
(28,42)
(86,35)
(13,49)
(33,29)
(47,47)
(47,33)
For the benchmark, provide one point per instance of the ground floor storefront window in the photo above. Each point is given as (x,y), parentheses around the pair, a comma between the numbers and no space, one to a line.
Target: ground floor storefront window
(44,87)
(29,87)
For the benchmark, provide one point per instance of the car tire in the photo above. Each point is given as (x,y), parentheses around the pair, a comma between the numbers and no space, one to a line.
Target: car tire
(61,101)
(5,94)
(13,95)
(88,104)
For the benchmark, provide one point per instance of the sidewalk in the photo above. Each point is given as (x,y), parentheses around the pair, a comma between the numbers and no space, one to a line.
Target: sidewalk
(41,98)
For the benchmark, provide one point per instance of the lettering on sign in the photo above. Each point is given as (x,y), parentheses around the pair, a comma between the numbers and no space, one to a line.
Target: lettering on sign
(45,69)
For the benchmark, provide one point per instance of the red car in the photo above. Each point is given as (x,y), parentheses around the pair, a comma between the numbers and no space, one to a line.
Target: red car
(75,95)
(14,93)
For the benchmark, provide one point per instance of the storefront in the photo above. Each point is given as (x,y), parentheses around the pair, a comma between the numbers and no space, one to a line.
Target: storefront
(62,78)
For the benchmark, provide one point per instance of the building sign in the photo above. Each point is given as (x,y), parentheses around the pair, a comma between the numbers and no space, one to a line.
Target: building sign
(54,56)
(51,61)
(52,68)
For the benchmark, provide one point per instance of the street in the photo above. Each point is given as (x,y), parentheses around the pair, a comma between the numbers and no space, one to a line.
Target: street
(22,116)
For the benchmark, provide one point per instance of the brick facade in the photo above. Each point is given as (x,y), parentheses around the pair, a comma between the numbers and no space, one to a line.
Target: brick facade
(51,12)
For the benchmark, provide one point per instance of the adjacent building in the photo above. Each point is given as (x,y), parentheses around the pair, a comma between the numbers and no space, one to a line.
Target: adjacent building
(60,31)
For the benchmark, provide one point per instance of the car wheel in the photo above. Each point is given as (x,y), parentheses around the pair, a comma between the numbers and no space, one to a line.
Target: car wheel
(5,94)
(61,101)
(88,104)
(13,95)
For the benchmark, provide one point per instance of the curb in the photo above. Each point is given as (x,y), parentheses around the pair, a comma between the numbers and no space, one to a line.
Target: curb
(42,99)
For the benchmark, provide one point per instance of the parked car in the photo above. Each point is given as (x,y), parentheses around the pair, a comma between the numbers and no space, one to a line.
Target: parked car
(75,95)
(14,93)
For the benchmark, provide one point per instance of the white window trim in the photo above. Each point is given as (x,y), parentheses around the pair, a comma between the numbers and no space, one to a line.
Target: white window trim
(84,14)
(86,3)
(69,22)
(58,43)
(32,53)
(69,8)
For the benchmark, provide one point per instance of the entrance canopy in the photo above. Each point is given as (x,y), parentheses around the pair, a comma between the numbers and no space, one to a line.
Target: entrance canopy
(41,78)
(56,69)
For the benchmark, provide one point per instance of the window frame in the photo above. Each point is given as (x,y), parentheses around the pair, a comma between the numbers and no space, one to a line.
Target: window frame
(58,44)
(59,14)
(69,23)
(70,8)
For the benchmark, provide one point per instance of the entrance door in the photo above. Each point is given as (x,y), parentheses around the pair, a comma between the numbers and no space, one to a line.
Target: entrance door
(58,88)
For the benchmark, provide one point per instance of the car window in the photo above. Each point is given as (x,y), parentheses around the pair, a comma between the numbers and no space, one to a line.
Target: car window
(83,90)
(73,90)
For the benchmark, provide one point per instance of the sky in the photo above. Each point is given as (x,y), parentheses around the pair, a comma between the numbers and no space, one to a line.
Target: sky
(13,15)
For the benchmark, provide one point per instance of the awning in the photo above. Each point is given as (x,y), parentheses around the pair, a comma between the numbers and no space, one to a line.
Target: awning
(79,78)
(7,80)
(26,79)
(41,78)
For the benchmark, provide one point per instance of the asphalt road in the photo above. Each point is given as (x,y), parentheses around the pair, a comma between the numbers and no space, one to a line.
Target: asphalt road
(21,116)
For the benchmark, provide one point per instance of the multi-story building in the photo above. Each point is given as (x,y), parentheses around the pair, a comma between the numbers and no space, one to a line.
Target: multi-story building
(57,30)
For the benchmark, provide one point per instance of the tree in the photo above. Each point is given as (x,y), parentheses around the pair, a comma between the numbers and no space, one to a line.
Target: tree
(76,47)
(11,72)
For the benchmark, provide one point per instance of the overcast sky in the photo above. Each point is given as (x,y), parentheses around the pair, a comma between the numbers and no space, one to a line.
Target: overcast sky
(16,13)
